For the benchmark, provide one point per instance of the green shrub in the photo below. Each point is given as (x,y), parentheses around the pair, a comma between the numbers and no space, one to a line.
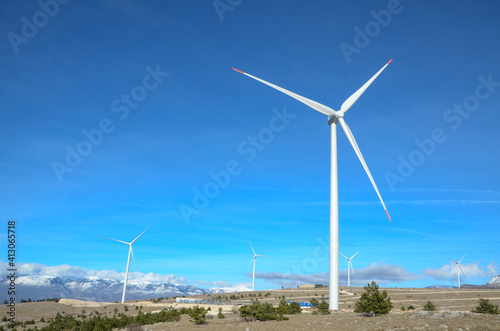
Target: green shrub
(323,308)
(220,314)
(185,311)
(411,307)
(261,311)
(283,306)
(373,302)
(429,306)
(314,302)
(198,315)
(486,307)
(294,308)
(403,308)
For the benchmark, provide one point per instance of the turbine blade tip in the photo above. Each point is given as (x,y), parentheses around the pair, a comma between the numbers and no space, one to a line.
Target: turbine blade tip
(389,61)
(238,70)
(388,215)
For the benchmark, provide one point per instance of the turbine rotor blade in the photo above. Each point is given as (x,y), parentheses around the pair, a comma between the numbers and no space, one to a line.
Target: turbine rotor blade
(133,259)
(460,267)
(344,256)
(352,269)
(351,139)
(452,260)
(462,258)
(355,96)
(251,247)
(133,241)
(120,241)
(355,254)
(253,258)
(311,103)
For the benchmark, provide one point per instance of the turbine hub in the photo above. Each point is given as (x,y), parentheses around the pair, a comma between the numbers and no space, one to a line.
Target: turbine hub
(334,118)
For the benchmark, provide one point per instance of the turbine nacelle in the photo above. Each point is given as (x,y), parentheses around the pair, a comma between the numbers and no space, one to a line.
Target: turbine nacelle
(334,119)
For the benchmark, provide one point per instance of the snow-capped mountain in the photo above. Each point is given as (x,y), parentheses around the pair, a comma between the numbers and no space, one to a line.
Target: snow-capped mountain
(495,281)
(96,289)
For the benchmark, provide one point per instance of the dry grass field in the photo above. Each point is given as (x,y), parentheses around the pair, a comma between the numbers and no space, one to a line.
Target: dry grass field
(453,311)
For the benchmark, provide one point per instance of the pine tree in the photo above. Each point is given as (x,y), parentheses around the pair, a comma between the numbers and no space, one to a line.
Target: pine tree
(282,309)
(373,302)
(198,315)
(314,302)
(220,314)
(486,307)
(323,308)
(294,308)
(429,306)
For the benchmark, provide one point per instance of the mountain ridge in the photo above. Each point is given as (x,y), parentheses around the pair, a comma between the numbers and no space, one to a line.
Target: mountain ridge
(96,289)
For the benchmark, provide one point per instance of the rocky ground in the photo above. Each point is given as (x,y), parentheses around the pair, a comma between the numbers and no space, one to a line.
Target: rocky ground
(420,320)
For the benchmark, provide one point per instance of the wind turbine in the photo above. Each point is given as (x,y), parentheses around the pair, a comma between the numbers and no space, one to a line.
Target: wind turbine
(459,268)
(253,260)
(130,252)
(349,265)
(335,117)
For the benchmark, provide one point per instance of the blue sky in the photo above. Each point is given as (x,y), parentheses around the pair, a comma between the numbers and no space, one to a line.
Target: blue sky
(116,113)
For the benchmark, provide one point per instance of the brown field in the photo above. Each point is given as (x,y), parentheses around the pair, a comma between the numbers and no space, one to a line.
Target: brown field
(453,311)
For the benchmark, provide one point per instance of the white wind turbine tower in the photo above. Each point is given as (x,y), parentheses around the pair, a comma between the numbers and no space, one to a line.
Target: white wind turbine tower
(459,268)
(253,260)
(349,265)
(335,117)
(130,252)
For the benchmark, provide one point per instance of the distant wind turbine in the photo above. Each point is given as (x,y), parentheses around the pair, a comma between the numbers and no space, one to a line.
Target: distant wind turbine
(130,252)
(459,268)
(349,265)
(253,259)
(335,117)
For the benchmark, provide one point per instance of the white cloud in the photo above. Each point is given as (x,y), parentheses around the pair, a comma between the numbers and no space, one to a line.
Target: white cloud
(221,286)
(380,272)
(242,287)
(469,270)
(73,272)
(217,283)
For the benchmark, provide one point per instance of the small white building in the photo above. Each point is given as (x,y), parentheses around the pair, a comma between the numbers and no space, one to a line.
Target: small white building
(188,300)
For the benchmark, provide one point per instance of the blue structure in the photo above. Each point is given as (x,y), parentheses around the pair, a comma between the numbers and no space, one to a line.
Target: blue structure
(302,304)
